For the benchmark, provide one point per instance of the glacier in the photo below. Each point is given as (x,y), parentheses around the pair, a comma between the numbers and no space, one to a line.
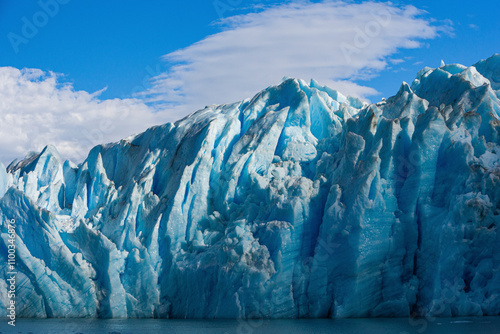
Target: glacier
(299,202)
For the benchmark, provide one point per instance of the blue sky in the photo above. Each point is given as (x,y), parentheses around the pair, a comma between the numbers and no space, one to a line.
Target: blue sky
(230,50)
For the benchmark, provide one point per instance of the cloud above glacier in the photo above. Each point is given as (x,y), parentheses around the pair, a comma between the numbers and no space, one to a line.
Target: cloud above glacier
(333,42)
(36,109)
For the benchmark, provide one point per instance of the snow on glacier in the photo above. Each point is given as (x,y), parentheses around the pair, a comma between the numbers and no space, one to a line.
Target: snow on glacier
(300,202)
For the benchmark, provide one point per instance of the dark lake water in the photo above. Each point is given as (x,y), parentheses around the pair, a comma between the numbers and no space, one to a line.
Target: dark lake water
(490,325)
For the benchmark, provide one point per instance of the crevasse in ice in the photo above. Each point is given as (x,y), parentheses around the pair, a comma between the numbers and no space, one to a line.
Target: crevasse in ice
(300,202)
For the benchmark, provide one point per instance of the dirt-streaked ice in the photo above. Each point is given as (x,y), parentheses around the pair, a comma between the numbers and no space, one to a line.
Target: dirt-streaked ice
(300,202)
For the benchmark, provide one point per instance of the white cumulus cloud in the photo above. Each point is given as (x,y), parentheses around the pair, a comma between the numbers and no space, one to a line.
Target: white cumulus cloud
(333,42)
(37,110)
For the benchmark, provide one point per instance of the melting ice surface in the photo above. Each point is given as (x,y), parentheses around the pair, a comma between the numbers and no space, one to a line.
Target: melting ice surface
(300,202)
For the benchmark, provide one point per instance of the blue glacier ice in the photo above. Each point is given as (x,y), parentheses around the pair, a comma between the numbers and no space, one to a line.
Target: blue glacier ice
(299,202)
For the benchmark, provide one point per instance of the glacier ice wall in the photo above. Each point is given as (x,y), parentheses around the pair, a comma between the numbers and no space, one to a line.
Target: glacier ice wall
(300,202)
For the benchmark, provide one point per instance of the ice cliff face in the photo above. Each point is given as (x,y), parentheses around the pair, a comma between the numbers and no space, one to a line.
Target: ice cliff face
(300,202)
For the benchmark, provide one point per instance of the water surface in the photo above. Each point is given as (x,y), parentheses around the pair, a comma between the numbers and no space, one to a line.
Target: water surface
(490,325)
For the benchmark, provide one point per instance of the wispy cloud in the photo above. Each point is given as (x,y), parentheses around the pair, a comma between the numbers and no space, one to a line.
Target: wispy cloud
(36,109)
(333,42)
(473,26)
(396,61)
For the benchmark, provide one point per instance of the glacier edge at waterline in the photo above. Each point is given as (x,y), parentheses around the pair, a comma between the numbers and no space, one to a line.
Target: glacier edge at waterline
(299,202)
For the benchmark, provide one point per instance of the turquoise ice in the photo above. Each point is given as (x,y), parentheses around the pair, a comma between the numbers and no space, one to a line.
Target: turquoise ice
(299,202)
